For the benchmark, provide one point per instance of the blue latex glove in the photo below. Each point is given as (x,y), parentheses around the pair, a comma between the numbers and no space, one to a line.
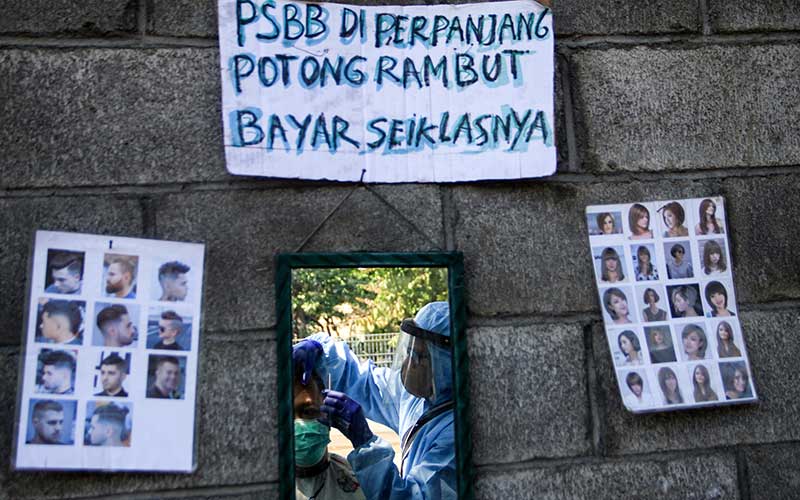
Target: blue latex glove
(346,415)
(306,353)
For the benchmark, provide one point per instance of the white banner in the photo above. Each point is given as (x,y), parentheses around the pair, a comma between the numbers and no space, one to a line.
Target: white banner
(440,93)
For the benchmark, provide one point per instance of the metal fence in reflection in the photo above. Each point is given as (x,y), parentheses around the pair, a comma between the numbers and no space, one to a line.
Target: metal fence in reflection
(379,347)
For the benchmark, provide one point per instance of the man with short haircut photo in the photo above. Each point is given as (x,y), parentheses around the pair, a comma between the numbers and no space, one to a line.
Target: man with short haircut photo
(66,269)
(61,322)
(169,327)
(173,280)
(167,378)
(116,326)
(48,422)
(58,372)
(120,277)
(113,371)
(107,426)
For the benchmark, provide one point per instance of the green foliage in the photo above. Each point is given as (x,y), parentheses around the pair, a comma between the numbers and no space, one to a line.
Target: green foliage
(363,300)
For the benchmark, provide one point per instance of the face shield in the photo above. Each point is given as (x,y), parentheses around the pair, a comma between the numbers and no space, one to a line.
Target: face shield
(423,360)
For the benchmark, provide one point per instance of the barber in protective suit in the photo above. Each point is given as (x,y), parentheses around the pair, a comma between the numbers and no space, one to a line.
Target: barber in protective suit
(414,398)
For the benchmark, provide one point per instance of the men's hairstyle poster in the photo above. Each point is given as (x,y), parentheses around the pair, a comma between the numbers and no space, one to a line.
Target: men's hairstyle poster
(665,281)
(111,342)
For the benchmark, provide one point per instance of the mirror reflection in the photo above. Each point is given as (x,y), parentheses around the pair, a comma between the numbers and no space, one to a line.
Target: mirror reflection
(372,384)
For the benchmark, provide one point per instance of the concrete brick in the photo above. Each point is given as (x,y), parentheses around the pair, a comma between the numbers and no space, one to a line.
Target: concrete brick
(695,477)
(757,15)
(183,18)
(20,218)
(612,17)
(773,354)
(765,268)
(356,221)
(244,231)
(259,493)
(237,432)
(109,117)
(528,393)
(773,472)
(88,17)
(186,18)
(659,109)
(525,245)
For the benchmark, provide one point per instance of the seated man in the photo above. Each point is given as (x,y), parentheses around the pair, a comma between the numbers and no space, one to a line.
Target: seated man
(173,280)
(61,322)
(58,373)
(318,474)
(121,277)
(66,269)
(169,327)
(116,325)
(48,421)
(107,427)
(167,378)
(113,370)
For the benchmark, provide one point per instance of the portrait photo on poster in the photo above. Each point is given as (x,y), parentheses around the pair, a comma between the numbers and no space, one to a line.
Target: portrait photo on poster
(713,256)
(116,325)
(618,305)
(654,299)
(166,377)
(51,422)
(60,321)
(120,275)
(64,272)
(604,223)
(112,372)
(173,281)
(108,423)
(169,328)
(668,302)
(87,378)
(673,220)
(610,264)
(636,393)
(678,256)
(55,371)
(645,267)
(628,347)
(659,344)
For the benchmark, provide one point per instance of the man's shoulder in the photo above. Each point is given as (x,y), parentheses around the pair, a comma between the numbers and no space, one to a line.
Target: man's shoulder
(153,392)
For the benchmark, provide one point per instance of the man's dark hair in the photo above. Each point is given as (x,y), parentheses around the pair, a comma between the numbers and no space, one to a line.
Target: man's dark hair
(71,260)
(47,405)
(111,414)
(128,264)
(116,360)
(110,314)
(69,309)
(171,316)
(160,360)
(59,359)
(172,270)
(677,247)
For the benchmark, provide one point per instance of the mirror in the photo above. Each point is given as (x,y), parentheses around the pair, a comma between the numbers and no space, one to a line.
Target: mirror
(373,364)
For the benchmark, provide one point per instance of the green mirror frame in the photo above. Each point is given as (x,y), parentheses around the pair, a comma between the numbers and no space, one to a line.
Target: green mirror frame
(454,262)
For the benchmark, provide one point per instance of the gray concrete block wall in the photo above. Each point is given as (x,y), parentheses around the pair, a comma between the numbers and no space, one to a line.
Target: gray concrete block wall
(112,125)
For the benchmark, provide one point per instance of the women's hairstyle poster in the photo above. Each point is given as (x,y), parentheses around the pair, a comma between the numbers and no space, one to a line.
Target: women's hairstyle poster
(665,280)
(108,375)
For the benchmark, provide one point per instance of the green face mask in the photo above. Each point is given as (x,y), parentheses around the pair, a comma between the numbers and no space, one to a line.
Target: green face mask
(311,440)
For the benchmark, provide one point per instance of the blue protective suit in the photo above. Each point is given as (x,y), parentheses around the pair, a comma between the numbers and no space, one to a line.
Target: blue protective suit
(429,469)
